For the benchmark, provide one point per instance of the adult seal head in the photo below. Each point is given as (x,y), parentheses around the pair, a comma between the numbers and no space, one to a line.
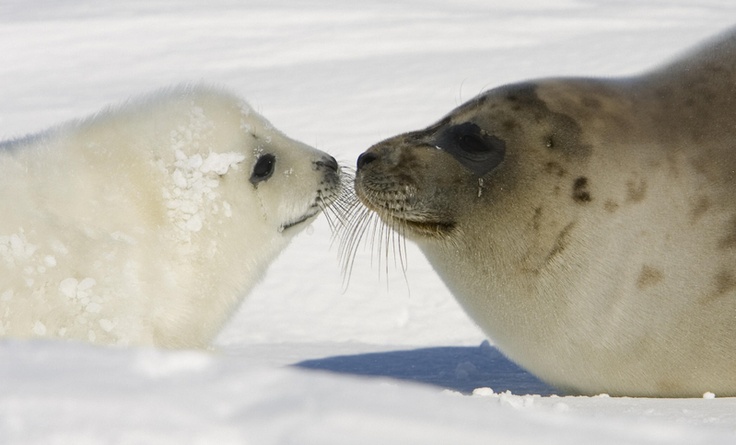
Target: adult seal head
(148,223)
(587,225)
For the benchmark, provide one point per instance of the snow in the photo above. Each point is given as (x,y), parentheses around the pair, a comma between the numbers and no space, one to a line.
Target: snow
(194,182)
(76,394)
(388,357)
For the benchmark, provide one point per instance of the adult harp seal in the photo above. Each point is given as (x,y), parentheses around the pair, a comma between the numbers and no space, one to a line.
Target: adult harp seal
(587,225)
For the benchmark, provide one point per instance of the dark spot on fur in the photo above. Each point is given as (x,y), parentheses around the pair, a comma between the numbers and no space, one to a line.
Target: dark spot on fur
(580,193)
(510,125)
(729,241)
(699,208)
(648,276)
(555,169)
(550,142)
(636,191)
(725,282)
(537,219)
(561,242)
(531,111)
(702,165)
(610,206)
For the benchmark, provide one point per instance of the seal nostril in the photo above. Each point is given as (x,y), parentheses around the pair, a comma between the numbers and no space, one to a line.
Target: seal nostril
(329,162)
(365,159)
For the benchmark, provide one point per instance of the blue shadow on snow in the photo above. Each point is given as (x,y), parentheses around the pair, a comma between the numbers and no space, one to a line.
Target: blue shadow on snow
(456,368)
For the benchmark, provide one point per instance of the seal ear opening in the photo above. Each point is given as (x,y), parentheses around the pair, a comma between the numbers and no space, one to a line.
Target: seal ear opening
(263,169)
(475,149)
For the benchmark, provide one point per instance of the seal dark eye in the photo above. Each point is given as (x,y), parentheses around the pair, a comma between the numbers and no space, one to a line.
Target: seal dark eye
(263,168)
(472,147)
(472,143)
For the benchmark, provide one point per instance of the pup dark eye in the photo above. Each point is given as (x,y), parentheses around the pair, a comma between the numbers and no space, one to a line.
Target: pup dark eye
(263,168)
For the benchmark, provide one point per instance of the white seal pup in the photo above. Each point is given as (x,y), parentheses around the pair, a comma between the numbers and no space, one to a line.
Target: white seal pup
(587,225)
(148,223)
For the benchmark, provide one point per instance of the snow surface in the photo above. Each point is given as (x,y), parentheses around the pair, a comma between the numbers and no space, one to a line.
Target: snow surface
(388,357)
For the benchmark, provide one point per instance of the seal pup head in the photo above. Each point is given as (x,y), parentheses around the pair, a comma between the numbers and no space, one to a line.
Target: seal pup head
(292,181)
(261,189)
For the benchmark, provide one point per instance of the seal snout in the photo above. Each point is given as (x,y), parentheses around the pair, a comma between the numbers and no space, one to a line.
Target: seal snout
(389,154)
(366,158)
(329,163)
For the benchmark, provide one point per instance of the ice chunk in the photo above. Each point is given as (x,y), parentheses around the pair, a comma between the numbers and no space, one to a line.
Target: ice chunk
(68,287)
(39,328)
(107,325)
(220,163)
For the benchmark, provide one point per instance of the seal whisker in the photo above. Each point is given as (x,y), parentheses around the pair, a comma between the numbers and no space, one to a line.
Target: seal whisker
(336,208)
(361,225)
(345,194)
(353,233)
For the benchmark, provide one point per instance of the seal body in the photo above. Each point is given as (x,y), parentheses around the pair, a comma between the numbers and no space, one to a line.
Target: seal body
(148,223)
(587,225)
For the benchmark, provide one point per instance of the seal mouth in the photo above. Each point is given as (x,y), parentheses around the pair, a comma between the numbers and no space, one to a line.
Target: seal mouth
(400,216)
(313,211)
(404,223)
(434,229)
(326,197)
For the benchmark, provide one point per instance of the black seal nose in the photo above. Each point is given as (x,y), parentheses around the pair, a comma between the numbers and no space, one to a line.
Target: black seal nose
(366,158)
(329,162)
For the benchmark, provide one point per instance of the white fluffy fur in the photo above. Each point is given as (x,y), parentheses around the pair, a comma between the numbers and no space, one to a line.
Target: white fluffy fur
(140,225)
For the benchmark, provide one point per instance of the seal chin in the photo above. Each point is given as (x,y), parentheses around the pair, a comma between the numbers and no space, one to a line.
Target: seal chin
(325,198)
(312,212)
